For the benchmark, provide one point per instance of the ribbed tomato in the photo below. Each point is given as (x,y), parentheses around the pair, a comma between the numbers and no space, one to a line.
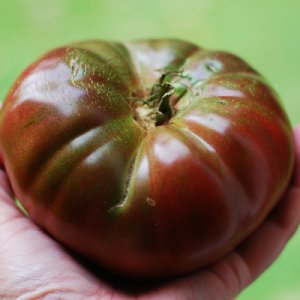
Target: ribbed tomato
(153,158)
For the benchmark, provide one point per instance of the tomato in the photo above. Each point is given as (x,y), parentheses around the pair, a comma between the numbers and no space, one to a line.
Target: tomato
(152,158)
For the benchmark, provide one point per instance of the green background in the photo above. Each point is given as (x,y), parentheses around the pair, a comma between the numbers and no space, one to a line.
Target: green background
(264,32)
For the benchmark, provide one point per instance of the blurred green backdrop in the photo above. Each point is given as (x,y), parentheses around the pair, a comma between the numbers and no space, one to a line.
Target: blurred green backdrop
(264,32)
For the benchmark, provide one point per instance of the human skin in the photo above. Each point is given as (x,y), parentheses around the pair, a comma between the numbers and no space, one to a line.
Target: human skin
(34,266)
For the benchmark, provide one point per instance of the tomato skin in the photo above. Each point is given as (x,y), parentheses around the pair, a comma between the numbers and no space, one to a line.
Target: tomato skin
(145,203)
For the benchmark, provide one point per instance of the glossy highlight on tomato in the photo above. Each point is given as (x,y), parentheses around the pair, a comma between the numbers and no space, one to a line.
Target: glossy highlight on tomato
(153,158)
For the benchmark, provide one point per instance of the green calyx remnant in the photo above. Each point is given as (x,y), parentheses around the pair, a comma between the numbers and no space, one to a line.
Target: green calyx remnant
(158,108)
(159,97)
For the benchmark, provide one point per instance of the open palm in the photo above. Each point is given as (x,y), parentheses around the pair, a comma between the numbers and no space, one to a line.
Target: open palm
(34,266)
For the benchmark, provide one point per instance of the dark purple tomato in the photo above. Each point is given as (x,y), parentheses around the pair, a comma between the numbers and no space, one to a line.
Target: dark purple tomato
(152,158)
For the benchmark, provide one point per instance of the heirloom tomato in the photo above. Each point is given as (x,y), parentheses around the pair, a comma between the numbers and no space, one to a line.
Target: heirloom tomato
(152,158)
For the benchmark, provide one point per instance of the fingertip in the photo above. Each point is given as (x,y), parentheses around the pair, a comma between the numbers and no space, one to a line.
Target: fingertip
(297,138)
(297,128)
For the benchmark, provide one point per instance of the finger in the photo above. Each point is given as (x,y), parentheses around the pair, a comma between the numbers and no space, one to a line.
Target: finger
(264,246)
(8,209)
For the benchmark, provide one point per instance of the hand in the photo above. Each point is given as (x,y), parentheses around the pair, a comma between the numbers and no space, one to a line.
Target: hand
(34,266)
